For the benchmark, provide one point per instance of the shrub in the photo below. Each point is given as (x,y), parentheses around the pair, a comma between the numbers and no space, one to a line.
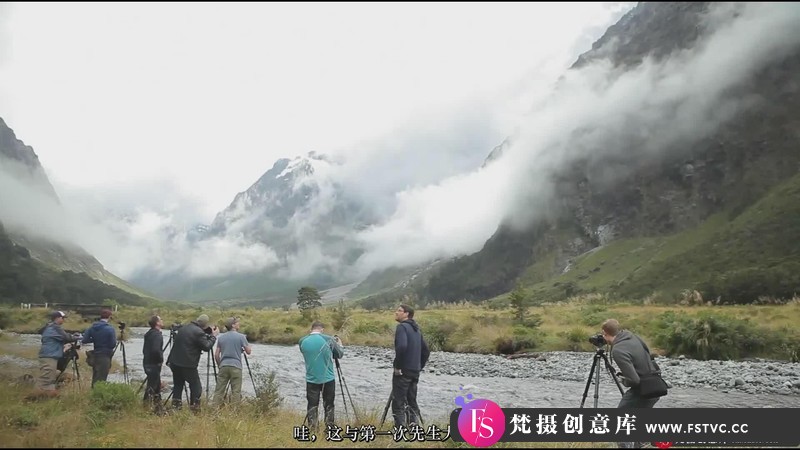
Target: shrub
(268,398)
(438,334)
(575,338)
(23,418)
(112,397)
(108,400)
(340,316)
(714,337)
(748,285)
(533,321)
(364,327)
(5,319)
(522,338)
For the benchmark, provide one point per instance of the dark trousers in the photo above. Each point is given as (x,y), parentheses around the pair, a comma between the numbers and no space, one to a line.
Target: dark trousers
(101,367)
(181,375)
(153,389)
(328,391)
(631,400)
(404,398)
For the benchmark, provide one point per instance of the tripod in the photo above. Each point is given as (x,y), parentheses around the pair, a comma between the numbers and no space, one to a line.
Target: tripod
(72,357)
(121,344)
(389,404)
(210,361)
(595,372)
(251,374)
(343,387)
(172,332)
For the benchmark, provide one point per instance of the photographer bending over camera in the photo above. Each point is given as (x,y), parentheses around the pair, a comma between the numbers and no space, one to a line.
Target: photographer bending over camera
(634,361)
(104,338)
(53,339)
(190,341)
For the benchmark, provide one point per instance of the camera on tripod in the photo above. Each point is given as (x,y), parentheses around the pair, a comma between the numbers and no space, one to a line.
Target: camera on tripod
(597,340)
(78,341)
(122,326)
(174,327)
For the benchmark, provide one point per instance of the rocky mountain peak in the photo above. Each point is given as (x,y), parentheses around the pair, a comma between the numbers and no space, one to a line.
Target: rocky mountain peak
(29,168)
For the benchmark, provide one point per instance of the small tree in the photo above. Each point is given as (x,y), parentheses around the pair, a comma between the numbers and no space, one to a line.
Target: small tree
(308,299)
(340,315)
(518,299)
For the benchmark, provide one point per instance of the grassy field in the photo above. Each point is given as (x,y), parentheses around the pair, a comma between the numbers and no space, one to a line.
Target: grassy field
(112,415)
(479,329)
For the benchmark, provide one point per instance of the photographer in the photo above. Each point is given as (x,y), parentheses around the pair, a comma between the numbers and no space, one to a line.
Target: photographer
(53,339)
(634,360)
(190,341)
(104,338)
(152,359)
(228,356)
(411,355)
(318,351)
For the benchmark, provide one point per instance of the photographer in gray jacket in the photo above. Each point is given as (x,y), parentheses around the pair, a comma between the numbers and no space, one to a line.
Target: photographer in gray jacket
(53,339)
(633,359)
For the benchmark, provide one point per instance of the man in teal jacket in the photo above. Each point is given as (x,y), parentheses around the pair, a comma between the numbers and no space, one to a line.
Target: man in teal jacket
(319,350)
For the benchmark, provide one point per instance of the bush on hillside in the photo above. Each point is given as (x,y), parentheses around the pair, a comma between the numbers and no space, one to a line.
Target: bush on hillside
(748,285)
(714,337)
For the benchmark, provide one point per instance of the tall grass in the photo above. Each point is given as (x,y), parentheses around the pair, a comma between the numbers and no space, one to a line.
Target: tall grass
(481,329)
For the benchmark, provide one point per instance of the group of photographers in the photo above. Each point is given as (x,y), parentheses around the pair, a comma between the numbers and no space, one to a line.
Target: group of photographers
(319,351)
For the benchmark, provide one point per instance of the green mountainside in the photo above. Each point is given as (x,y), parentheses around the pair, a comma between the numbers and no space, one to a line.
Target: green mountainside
(24,279)
(718,215)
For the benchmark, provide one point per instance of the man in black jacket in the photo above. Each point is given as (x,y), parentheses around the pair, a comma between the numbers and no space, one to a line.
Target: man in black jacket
(152,359)
(190,341)
(411,355)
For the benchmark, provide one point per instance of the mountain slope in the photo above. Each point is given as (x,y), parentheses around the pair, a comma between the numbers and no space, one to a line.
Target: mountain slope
(634,226)
(296,213)
(734,257)
(47,259)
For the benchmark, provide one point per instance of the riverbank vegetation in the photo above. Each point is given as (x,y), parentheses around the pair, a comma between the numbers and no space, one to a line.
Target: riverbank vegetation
(695,330)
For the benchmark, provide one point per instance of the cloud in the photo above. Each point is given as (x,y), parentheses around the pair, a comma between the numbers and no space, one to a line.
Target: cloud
(421,186)
(5,48)
(26,203)
(596,113)
(128,227)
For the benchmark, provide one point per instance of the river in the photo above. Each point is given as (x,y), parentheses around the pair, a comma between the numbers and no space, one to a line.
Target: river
(558,379)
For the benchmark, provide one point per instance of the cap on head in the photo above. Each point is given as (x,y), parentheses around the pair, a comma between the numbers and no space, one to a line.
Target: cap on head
(230,321)
(56,314)
(202,320)
(105,314)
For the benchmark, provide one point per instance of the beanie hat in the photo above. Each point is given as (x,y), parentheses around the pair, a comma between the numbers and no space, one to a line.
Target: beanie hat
(202,320)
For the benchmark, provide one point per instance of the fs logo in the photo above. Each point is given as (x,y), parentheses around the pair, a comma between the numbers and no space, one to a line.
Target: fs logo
(481,422)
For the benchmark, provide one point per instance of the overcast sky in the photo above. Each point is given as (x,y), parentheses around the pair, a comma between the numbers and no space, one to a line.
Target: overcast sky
(191,103)
(163,112)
